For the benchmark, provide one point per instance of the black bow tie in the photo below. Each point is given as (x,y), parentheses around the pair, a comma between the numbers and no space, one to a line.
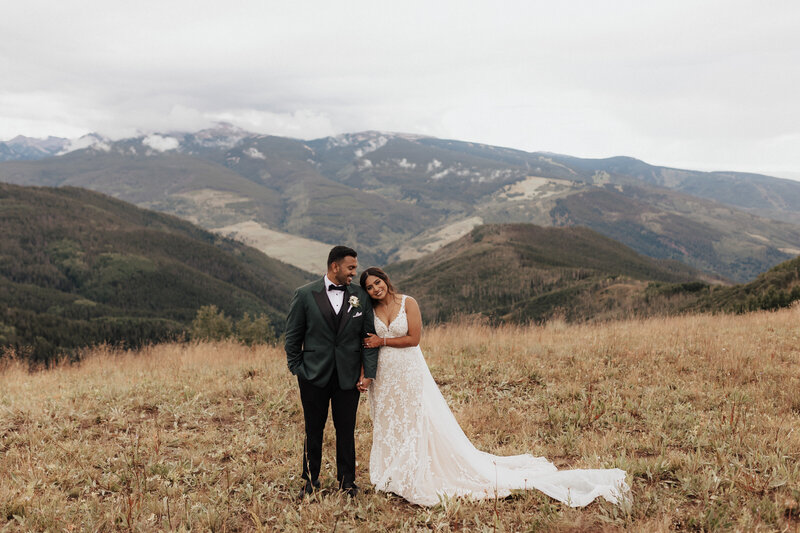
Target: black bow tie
(333,287)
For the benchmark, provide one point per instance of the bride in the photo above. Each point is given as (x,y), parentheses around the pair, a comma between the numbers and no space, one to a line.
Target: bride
(419,451)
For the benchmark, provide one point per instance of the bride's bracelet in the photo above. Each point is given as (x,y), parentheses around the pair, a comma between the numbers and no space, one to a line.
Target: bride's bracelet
(384,341)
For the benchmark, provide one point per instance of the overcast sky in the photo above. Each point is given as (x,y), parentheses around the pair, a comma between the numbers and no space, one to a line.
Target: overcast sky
(709,85)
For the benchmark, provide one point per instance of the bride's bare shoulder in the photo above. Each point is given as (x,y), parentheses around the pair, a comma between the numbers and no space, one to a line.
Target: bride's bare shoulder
(410,301)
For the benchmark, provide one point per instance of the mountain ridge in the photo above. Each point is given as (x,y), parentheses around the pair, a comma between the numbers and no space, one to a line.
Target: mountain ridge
(395,195)
(524,272)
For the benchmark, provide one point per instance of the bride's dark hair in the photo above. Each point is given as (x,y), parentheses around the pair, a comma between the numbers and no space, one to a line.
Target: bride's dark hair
(377,272)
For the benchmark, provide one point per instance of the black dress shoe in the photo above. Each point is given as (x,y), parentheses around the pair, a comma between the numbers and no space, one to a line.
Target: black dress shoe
(351,489)
(308,489)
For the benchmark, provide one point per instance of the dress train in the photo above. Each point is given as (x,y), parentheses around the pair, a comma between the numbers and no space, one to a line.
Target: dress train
(420,452)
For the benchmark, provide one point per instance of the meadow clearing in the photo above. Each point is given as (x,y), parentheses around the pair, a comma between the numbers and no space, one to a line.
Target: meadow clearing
(703,412)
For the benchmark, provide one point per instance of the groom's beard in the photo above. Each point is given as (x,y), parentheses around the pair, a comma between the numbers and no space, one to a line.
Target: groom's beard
(346,281)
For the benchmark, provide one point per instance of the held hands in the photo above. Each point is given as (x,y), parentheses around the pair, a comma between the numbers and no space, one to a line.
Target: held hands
(363,383)
(373,341)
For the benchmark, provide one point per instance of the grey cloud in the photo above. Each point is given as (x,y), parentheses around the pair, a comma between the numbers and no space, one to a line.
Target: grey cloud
(711,83)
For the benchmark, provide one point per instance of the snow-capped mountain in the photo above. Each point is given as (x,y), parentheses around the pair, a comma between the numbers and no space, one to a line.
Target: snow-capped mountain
(221,136)
(93,141)
(29,148)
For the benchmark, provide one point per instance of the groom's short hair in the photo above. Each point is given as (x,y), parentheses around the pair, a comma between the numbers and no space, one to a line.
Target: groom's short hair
(338,253)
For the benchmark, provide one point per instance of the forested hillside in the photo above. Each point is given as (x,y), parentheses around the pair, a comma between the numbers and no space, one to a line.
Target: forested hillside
(523,272)
(80,268)
(776,288)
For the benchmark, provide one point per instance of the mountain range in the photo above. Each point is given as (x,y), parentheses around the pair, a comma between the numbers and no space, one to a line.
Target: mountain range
(397,197)
(79,268)
(28,148)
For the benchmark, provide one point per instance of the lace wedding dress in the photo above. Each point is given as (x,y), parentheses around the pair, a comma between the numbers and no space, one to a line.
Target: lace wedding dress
(419,451)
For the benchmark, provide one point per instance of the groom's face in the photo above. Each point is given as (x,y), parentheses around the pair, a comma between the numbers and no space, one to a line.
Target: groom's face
(345,270)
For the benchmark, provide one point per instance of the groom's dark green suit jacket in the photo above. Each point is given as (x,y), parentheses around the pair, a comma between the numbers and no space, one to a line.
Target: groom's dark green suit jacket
(315,346)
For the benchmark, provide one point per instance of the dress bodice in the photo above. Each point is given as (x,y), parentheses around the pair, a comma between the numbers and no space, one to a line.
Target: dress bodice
(398,327)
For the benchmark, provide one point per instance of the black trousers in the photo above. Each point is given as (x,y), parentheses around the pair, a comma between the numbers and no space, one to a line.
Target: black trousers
(344,404)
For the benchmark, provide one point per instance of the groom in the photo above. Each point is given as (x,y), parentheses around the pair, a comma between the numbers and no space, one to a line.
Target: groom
(327,320)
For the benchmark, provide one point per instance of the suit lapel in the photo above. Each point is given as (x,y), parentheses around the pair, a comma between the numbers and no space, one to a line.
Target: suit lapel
(321,297)
(345,310)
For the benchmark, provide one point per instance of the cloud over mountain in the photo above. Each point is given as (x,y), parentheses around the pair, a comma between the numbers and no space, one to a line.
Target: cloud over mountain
(707,86)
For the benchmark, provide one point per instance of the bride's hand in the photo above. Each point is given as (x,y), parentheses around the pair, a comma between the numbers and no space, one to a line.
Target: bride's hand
(372,341)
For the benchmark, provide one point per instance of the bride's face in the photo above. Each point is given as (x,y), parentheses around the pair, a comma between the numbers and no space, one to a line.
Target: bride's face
(376,288)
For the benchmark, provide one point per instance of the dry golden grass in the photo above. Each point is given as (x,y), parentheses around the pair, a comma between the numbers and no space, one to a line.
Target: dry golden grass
(702,412)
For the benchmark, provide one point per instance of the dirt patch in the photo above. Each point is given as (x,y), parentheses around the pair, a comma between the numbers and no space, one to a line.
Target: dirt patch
(307,254)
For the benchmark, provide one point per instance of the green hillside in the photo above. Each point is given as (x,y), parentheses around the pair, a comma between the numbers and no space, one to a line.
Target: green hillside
(670,225)
(522,272)
(776,288)
(78,268)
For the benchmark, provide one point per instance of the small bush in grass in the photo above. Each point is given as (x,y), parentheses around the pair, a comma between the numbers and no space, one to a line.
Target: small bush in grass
(211,324)
(255,330)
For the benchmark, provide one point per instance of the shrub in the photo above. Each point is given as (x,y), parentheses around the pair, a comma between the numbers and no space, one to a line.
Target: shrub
(255,330)
(211,324)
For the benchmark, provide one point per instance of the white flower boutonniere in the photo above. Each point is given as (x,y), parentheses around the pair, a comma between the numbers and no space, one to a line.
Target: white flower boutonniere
(354,303)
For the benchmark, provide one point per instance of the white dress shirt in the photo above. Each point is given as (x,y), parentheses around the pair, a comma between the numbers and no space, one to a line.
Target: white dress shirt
(335,297)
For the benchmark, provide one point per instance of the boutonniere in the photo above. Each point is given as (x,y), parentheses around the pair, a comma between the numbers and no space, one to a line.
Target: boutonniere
(354,303)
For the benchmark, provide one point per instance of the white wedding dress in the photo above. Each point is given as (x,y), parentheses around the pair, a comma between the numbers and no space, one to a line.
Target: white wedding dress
(419,451)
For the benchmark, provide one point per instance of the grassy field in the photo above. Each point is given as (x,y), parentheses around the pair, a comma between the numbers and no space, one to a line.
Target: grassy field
(702,412)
